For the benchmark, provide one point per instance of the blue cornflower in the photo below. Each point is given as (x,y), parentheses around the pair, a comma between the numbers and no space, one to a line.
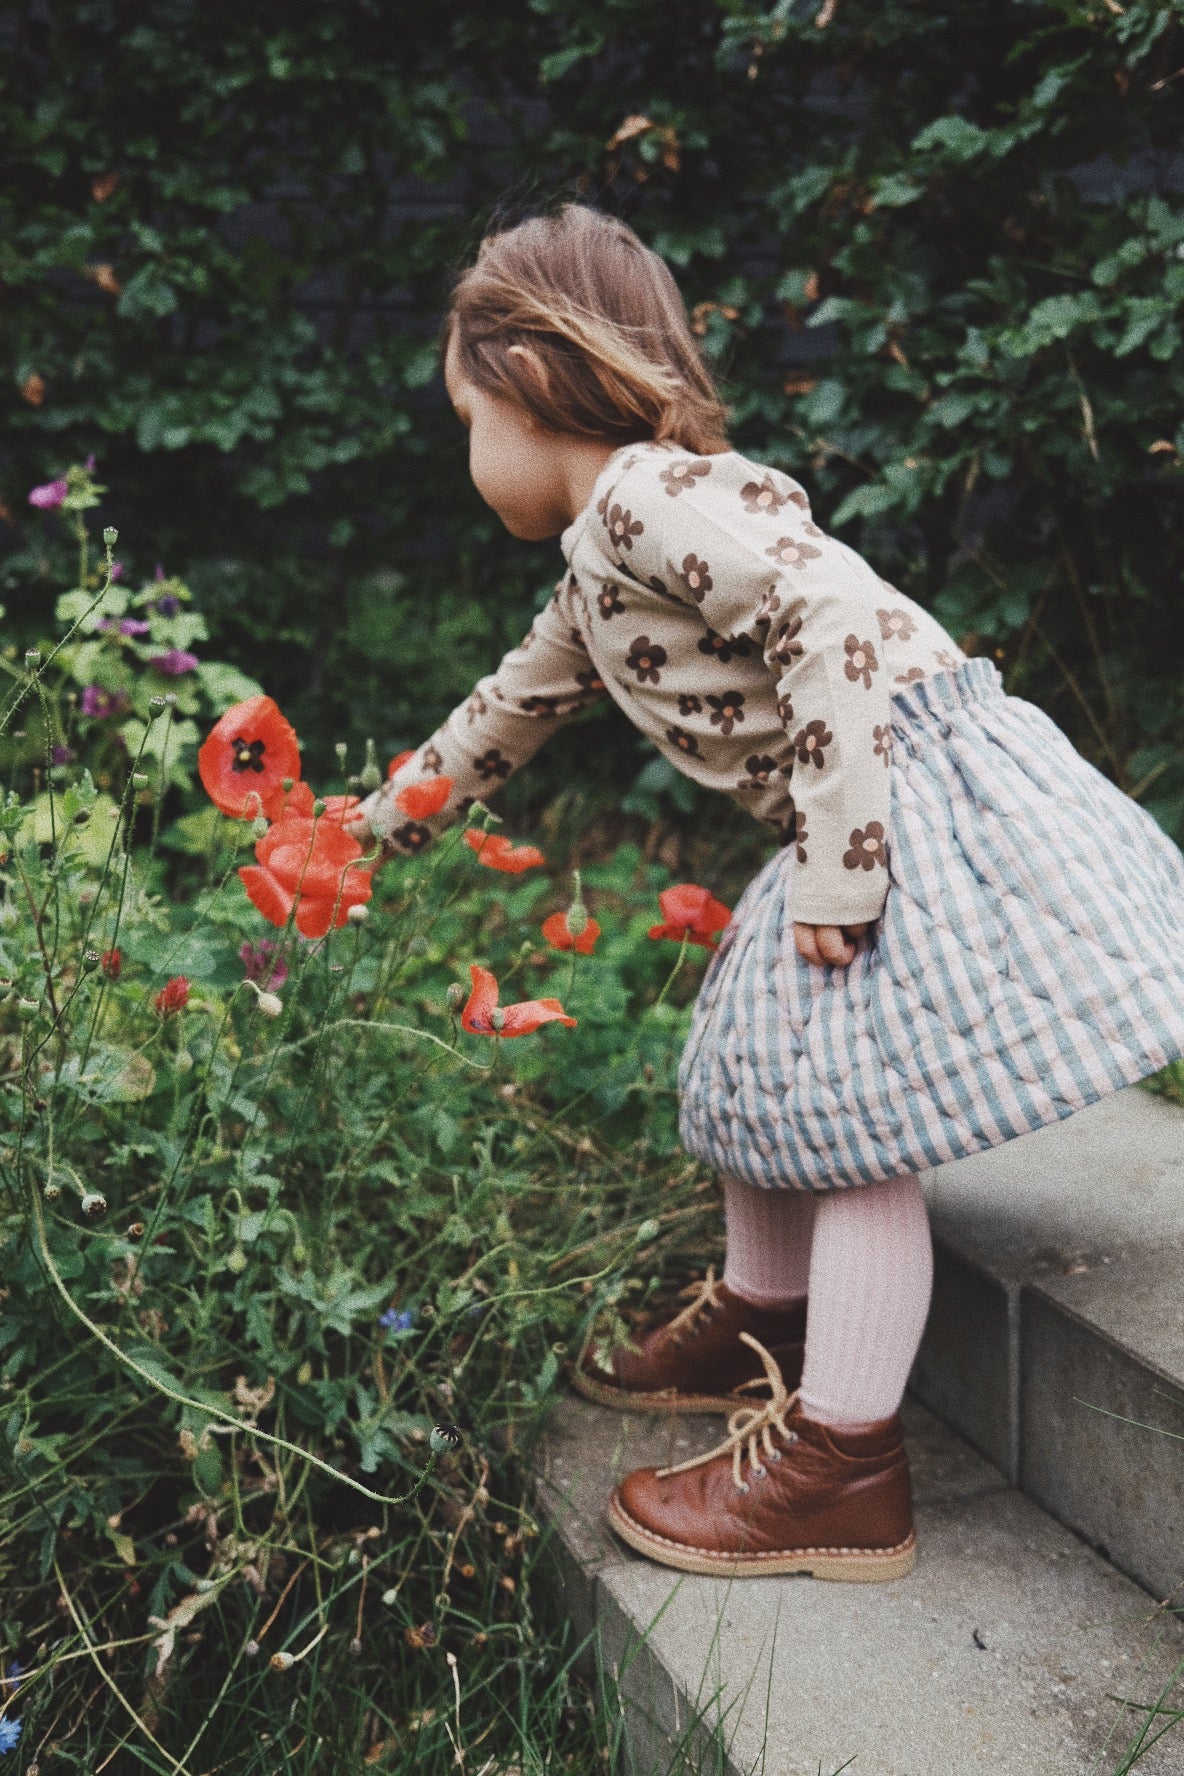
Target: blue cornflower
(397,1319)
(10,1732)
(16,1673)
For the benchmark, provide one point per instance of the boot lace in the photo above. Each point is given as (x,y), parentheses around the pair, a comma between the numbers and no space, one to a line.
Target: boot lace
(751,1428)
(704,1299)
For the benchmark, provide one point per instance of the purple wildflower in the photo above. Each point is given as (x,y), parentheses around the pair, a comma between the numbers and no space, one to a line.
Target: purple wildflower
(264,964)
(134,626)
(117,570)
(174,662)
(168,606)
(397,1319)
(49,497)
(90,463)
(159,574)
(100,702)
(63,755)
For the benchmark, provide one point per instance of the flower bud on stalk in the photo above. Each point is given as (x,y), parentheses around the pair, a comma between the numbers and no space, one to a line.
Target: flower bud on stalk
(649,1230)
(90,961)
(94,1204)
(140,780)
(358,915)
(370,777)
(443,1438)
(33,659)
(110,536)
(456,996)
(51,1192)
(260,827)
(27,1009)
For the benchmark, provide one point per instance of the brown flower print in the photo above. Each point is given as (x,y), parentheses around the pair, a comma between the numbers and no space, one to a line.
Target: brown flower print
(685,742)
(793,832)
(810,743)
(683,474)
(882,735)
(726,710)
(432,760)
(768,607)
(608,602)
(696,577)
(861,661)
(787,647)
(411,838)
(791,553)
(492,764)
(798,498)
(602,507)
(760,768)
(867,848)
(644,658)
(548,706)
(785,710)
(947,660)
(725,648)
(623,527)
(689,704)
(576,637)
(811,529)
(475,706)
(895,622)
(762,496)
(909,677)
(590,680)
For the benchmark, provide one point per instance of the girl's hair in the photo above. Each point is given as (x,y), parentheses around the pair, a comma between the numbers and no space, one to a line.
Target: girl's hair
(605,318)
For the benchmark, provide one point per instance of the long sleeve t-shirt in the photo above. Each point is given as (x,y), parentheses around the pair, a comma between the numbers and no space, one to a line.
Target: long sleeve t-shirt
(756,652)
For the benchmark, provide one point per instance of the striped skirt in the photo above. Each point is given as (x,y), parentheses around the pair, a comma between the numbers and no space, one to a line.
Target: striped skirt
(1029,959)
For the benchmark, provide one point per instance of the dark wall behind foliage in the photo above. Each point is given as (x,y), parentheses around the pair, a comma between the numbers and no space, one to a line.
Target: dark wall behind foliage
(936,251)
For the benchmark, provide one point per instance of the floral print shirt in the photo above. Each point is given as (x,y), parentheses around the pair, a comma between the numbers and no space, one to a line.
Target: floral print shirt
(757,653)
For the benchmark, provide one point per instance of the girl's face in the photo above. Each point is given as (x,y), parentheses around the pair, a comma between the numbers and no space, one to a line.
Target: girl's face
(518,467)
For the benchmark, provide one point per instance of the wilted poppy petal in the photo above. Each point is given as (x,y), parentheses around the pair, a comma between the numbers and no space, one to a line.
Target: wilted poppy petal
(422,800)
(557,932)
(481,1003)
(498,853)
(312,865)
(521,1019)
(690,911)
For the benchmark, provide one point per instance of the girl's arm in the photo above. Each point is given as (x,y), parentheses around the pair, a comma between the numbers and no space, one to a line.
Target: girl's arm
(540,684)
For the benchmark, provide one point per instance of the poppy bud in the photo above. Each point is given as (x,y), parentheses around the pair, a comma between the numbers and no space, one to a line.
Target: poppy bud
(342,751)
(443,1438)
(281,1661)
(318,808)
(304,1373)
(237,1261)
(370,777)
(110,536)
(649,1230)
(497,1018)
(456,996)
(252,1649)
(259,827)
(577,918)
(51,1192)
(183,1061)
(358,915)
(94,1204)
(417,945)
(270,1004)
(287,784)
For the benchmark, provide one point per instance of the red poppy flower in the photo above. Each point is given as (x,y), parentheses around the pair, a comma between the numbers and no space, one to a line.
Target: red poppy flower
(558,934)
(422,800)
(692,913)
(245,758)
(498,853)
(310,865)
(173,996)
(482,1015)
(300,798)
(111,962)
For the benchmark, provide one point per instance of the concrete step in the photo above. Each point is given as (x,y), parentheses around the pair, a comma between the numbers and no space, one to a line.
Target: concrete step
(1055,1343)
(1012,1648)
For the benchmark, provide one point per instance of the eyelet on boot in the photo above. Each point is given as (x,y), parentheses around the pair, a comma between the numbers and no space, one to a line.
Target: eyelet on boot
(742,1486)
(759,1472)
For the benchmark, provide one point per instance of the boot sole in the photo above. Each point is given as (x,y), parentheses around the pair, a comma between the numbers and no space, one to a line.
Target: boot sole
(669,1401)
(863,1566)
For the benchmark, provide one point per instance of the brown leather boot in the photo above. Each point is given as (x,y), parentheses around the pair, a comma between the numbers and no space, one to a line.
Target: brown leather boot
(696,1363)
(780,1494)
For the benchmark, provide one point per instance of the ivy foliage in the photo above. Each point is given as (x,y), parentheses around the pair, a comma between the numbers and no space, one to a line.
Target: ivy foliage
(936,253)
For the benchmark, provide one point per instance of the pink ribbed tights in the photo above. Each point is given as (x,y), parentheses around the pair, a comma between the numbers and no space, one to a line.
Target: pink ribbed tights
(864,1258)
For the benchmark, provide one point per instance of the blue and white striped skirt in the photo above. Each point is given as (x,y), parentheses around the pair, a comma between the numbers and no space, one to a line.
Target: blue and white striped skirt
(1029,959)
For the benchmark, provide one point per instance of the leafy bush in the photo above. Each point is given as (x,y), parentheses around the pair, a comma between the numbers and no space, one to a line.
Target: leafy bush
(268,1215)
(935,252)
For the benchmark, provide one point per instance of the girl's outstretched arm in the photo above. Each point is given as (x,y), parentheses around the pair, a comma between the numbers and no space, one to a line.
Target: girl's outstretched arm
(541,684)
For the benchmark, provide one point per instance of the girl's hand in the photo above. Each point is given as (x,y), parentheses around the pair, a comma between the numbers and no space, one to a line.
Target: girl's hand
(828,943)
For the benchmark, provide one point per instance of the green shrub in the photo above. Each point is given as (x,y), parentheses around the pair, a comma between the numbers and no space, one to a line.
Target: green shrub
(935,252)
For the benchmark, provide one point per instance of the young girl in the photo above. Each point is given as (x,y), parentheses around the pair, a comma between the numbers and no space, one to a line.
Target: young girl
(967,933)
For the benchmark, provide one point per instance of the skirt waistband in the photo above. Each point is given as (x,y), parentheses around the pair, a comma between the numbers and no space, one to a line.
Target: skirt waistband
(973,681)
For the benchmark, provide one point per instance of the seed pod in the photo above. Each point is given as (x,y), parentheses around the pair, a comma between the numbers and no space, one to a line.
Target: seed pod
(27,1009)
(51,1192)
(90,961)
(33,658)
(94,1205)
(110,536)
(139,779)
(443,1438)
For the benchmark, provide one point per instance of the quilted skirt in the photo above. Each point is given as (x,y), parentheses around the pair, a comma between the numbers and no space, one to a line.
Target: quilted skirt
(1028,960)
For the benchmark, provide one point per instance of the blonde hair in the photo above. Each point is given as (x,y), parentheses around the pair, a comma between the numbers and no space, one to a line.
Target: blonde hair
(604,317)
